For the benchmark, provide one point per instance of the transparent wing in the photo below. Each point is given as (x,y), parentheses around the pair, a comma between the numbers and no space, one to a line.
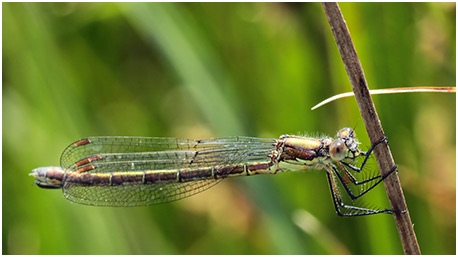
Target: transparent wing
(134,195)
(123,154)
(136,154)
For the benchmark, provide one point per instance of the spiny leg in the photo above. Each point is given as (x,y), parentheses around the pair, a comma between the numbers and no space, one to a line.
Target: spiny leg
(354,168)
(338,203)
(353,180)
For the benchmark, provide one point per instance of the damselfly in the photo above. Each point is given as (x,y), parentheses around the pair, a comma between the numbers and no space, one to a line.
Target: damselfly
(138,171)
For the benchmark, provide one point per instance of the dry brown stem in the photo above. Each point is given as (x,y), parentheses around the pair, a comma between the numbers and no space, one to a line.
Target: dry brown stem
(373,126)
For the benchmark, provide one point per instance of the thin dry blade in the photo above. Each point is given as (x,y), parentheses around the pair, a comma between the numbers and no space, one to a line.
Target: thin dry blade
(391,91)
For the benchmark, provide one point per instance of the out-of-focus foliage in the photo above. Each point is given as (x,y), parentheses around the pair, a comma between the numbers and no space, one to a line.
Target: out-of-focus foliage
(197,70)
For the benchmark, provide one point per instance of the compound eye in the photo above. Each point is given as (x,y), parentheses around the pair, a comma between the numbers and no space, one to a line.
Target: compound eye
(346,133)
(337,150)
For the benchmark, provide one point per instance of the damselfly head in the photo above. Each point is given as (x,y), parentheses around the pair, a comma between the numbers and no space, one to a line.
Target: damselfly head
(348,135)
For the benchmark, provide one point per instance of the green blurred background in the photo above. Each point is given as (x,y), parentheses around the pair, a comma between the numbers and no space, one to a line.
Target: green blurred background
(72,70)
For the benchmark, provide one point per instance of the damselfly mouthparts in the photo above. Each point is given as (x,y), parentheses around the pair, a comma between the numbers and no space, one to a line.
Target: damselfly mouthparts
(138,171)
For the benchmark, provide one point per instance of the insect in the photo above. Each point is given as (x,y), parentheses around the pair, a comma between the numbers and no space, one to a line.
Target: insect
(139,171)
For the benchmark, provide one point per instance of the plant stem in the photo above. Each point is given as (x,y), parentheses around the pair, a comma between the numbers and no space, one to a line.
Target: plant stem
(373,126)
